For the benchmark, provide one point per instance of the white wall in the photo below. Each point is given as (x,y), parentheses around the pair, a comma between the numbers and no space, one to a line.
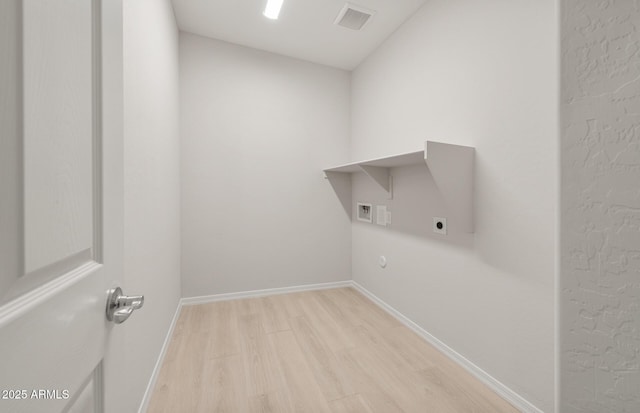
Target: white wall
(256,131)
(152,186)
(10,147)
(481,74)
(600,201)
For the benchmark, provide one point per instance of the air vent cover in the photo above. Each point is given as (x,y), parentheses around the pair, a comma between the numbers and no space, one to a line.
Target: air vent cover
(353,17)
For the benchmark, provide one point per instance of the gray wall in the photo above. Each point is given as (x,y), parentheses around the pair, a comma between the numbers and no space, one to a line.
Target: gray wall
(482,74)
(152,186)
(10,147)
(600,202)
(256,131)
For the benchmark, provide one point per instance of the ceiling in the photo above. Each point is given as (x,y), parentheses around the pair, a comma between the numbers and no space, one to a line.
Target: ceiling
(305,29)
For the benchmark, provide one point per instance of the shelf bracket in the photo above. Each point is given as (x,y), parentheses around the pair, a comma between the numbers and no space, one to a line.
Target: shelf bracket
(452,169)
(333,175)
(381,176)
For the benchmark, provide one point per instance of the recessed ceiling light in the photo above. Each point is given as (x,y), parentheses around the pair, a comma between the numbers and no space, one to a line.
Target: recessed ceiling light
(273,9)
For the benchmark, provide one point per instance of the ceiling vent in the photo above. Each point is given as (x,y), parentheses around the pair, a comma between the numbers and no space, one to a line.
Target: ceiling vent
(353,17)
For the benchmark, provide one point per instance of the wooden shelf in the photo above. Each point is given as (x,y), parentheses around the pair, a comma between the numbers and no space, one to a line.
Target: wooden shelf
(451,166)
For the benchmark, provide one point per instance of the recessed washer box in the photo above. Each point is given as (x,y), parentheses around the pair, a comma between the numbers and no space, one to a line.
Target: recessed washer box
(364,212)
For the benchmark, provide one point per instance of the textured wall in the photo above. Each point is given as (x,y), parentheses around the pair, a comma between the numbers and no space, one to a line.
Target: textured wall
(484,74)
(600,247)
(256,131)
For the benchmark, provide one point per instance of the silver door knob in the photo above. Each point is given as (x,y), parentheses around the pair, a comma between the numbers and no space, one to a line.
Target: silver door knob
(120,307)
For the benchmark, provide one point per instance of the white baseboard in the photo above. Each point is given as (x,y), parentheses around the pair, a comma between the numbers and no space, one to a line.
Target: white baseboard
(156,369)
(505,392)
(261,293)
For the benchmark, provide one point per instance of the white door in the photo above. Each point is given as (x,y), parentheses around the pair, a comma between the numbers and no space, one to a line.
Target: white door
(60,200)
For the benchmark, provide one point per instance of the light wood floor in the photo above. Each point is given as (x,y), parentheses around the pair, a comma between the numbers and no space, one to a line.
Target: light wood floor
(318,351)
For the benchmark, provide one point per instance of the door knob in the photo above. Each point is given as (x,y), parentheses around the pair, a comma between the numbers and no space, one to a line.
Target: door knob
(120,307)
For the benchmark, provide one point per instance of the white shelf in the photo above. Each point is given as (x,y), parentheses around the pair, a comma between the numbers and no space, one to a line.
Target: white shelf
(451,166)
(403,159)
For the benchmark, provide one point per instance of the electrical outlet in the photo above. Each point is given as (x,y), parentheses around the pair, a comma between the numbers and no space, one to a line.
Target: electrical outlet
(381,215)
(440,225)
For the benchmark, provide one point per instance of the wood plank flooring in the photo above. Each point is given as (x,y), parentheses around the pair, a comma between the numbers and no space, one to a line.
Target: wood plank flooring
(317,351)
